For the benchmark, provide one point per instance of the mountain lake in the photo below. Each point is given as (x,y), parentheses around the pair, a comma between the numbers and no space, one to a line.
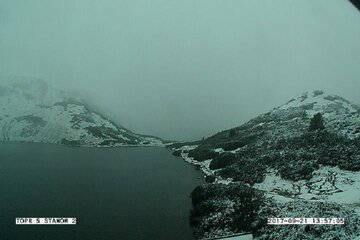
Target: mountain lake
(114,193)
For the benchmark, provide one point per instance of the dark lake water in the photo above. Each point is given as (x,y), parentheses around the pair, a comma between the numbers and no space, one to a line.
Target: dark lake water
(115,193)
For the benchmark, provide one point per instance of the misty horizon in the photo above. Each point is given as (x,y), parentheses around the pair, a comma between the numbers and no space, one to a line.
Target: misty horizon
(184,70)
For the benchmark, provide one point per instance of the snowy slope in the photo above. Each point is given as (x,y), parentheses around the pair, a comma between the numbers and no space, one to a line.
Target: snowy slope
(32,111)
(288,121)
(341,116)
(294,166)
(291,119)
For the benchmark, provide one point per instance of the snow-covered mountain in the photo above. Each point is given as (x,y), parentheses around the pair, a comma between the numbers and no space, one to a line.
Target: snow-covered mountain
(32,111)
(297,158)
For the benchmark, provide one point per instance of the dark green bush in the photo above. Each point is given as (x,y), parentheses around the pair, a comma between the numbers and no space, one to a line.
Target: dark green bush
(247,203)
(223,160)
(210,178)
(298,170)
(232,133)
(202,153)
(317,122)
(177,153)
(202,209)
(246,208)
(198,195)
(246,171)
(321,146)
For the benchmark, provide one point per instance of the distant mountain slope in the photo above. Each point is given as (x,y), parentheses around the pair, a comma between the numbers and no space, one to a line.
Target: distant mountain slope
(32,111)
(303,153)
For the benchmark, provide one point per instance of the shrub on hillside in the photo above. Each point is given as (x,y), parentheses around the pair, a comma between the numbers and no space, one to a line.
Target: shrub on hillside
(245,171)
(232,133)
(222,160)
(316,122)
(322,146)
(246,209)
(298,170)
(177,153)
(221,208)
(202,152)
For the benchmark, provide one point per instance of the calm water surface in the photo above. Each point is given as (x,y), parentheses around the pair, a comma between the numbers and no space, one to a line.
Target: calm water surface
(115,193)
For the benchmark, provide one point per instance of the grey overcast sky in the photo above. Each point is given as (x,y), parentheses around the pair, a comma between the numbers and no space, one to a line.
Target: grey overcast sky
(184,69)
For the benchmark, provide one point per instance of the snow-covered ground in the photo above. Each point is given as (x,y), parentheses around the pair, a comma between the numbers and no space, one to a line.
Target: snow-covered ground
(204,165)
(327,184)
(32,111)
(341,115)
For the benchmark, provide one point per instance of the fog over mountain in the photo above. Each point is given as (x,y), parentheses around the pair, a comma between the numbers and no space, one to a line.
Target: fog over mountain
(184,69)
